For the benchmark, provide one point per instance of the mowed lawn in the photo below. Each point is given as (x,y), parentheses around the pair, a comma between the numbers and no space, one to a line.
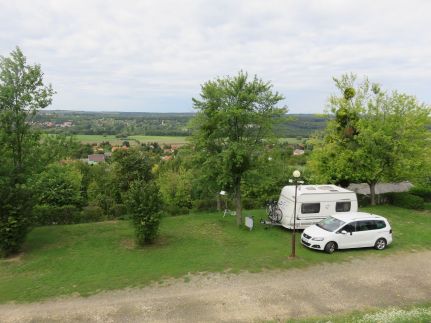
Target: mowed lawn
(84,259)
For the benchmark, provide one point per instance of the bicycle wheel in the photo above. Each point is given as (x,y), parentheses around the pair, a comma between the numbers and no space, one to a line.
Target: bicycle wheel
(278,214)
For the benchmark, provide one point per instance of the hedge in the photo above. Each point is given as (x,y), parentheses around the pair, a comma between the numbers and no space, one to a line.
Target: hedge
(407,200)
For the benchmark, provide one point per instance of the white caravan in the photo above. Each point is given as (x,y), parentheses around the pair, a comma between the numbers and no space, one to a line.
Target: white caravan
(314,203)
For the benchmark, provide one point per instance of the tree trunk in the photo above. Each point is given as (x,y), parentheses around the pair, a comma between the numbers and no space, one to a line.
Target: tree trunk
(218,202)
(238,204)
(373,193)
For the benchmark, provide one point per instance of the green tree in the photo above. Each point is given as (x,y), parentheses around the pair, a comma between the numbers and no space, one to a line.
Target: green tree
(375,136)
(144,203)
(22,93)
(234,117)
(58,185)
(176,188)
(131,165)
(102,189)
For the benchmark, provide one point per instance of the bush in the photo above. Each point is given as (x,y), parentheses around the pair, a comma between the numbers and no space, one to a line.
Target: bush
(48,214)
(206,205)
(176,210)
(407,200)
(249,204)
(12,235)
(144,203)
(424,192)
(363,200)
(91,213)
(118,211)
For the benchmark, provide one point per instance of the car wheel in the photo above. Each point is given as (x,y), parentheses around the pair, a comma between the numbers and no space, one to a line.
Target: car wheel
(330,247)
(380,244)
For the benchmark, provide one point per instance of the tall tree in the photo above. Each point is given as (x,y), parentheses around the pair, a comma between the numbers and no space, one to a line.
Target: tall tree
(22,93)
(375,136)
(235,116)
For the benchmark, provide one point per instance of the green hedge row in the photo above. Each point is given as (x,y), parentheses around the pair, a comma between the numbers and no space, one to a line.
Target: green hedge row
(406,200)
(67,214)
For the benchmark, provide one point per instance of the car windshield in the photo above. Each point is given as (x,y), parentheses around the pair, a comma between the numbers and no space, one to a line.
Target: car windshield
(330,224)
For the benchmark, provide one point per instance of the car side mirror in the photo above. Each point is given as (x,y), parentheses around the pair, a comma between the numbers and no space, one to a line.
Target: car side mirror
(343,232)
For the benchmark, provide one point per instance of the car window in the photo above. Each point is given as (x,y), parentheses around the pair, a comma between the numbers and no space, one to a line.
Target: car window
(366,225)
(342,206)
(380,224)
(310,208)
(330,224)
(350,227)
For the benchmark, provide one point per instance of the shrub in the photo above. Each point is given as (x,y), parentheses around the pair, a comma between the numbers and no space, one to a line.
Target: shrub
(424,192)
(144,203)
(15,216)
(249,203)
(407,200)
(47,214)
(118,211)
(91,213)
(206,205)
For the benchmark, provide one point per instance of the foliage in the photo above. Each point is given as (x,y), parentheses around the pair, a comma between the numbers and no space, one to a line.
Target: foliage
(103,189)
(15,207)
(91,213)
(45,214)
(144,203)
(407,200)
(235,116)
(175,188)
(58,185)
(266,181)
(55,148)
(22,93)
(424,192)
(374,137)
(131,165)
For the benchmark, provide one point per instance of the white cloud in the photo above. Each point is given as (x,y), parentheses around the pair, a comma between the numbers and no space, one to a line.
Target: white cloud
(148,56)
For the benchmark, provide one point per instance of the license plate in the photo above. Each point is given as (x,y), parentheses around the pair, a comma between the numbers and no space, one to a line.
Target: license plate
(305,240)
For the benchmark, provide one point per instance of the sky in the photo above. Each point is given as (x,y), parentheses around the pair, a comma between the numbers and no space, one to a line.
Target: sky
(153,56)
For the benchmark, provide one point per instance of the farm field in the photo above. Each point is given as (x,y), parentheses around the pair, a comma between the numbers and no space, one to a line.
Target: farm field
(113,140)
(133,140)
(88,139)
(85,259)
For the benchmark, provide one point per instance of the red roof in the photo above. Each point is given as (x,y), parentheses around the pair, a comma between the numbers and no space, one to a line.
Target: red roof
(96,157)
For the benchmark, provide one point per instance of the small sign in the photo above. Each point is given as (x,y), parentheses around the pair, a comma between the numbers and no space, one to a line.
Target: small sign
(249,222)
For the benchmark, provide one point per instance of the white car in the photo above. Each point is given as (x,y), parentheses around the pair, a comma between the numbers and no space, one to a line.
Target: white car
(348,230)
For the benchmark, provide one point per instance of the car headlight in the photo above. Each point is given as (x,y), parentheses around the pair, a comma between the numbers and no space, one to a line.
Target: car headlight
(317,239)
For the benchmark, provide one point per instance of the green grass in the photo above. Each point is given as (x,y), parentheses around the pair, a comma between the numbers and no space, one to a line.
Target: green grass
(293,141)
(88,258)
(161,139)
(416,313)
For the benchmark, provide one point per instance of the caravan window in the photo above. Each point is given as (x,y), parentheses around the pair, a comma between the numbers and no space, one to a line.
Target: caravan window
(310,208)
(342,207)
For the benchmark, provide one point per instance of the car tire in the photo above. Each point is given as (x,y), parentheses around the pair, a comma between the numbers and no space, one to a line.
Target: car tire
(380,244)
(330,247)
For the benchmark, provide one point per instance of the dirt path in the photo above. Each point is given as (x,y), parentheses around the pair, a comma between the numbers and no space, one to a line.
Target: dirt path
(325,289)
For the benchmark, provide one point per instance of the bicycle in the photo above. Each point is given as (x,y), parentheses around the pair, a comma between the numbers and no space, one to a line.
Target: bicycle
(274,212)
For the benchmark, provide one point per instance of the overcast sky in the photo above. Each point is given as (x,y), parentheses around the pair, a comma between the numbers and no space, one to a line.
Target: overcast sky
(153,55)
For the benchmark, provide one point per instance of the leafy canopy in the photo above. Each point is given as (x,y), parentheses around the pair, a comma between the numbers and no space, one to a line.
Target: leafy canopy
(235,117)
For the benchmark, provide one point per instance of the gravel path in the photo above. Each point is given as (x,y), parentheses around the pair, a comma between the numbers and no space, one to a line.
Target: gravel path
(402,278)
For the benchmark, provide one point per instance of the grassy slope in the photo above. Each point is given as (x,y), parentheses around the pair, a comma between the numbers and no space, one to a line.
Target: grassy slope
(87,258)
